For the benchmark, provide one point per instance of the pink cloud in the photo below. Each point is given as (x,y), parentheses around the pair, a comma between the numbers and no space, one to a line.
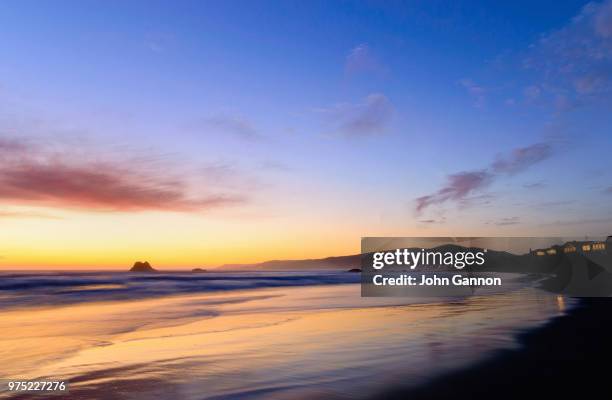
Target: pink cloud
(32,177)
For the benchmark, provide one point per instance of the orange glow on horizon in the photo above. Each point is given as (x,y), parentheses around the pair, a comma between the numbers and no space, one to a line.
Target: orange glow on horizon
(97,240)
(116,241)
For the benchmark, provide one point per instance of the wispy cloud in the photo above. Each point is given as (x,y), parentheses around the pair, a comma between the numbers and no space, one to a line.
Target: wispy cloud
(440,220)
(26,214)
(603,21)
(532,92)
(361,59)
(369,117)
(535,185)
(555,203)
(476,91)
(522,158)
(575,61)
(480,200)
(507,221)
(608,190)
(31,176)
(272,165)
(158,42)
(13,145)
(585,221)
(235,125)
(465,187)
(458,187)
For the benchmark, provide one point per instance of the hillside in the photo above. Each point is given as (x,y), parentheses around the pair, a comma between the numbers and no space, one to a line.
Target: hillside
(329,263)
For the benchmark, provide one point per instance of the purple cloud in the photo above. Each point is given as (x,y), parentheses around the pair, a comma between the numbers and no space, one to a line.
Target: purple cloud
(458,187)
(522,158)
(463,187)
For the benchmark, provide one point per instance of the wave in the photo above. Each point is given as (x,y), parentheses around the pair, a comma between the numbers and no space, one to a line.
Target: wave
(51,288)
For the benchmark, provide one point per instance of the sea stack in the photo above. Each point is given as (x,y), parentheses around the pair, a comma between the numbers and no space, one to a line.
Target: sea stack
(142,267)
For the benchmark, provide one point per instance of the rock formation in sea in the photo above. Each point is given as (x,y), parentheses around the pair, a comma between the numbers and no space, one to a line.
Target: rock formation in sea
(142,267)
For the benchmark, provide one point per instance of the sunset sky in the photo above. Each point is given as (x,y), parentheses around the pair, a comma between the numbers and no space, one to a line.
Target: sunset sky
(209,132)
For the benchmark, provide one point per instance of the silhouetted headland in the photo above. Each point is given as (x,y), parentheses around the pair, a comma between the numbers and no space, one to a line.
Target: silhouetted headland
(328,263)
(198,270)
(142,267)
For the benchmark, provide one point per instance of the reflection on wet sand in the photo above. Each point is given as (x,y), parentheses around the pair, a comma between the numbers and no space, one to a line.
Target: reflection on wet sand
(306,342)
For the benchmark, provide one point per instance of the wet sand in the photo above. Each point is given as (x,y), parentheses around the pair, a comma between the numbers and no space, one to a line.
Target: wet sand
(568,357)
(311,342)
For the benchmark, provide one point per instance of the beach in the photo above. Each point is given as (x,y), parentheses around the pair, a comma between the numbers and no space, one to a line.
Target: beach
(309,341)
(568,357)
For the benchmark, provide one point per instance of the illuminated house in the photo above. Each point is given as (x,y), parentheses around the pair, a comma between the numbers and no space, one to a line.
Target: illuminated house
(569,248)
(573,247)
(598,246)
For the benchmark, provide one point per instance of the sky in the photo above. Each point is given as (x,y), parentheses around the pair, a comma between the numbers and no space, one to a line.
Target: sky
(201,133)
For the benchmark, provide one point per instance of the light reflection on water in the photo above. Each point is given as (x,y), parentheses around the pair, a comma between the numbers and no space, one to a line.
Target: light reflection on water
(294,342)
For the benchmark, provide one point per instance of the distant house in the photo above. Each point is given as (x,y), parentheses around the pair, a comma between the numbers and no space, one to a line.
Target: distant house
(573,247)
